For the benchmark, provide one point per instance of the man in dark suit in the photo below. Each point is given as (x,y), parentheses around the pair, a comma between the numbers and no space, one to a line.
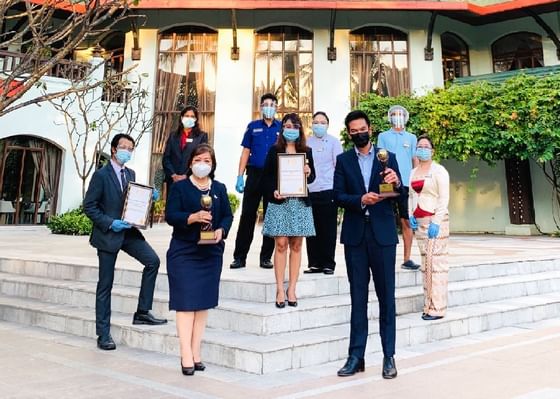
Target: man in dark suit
(369,236)
(103,204)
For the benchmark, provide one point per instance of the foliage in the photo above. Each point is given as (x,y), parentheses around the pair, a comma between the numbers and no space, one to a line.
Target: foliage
(73,222)
(159,207)
(516,119)
(233,201)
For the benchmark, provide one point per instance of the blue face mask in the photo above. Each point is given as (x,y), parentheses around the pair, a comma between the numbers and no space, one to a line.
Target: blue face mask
(123,156)
(268,112)
(188,122)
(424,154)
(290,134)
(319,130)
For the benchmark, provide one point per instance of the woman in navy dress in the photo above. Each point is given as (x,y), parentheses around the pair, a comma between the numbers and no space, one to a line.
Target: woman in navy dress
(194,269)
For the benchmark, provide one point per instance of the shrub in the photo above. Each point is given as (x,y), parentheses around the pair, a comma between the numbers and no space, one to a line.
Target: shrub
(73,222)
(233,201)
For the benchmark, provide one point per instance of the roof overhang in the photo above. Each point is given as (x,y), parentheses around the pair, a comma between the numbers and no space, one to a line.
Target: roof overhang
(419,5)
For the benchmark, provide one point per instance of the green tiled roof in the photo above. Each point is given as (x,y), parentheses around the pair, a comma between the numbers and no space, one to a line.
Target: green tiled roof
(501,76)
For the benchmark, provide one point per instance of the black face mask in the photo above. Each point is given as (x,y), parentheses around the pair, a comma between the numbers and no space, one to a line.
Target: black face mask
(361,139)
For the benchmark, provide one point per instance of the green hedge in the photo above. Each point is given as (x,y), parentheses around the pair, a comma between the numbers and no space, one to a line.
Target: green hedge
(74,222)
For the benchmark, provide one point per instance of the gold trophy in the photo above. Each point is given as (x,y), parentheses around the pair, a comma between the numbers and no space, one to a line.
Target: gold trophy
(386,190)
(206,232)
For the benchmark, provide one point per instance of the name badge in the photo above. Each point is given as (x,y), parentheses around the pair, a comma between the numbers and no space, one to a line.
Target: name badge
(189,140)
(406,144)
(320,149)
(257,130)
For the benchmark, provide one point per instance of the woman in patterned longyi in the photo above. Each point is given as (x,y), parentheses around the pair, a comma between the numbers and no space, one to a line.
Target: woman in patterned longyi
(428,202)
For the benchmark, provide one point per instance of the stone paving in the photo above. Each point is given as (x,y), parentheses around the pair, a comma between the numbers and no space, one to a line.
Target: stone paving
(519,362)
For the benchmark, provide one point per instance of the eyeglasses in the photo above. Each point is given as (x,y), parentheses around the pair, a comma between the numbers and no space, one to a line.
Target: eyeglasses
(268,105)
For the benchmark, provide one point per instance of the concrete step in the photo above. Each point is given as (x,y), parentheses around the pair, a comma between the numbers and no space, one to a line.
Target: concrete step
(291,350)
(258,285)
(264,319)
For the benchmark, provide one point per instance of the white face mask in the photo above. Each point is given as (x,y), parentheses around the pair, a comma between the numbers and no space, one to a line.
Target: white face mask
(188,122)
(201,169)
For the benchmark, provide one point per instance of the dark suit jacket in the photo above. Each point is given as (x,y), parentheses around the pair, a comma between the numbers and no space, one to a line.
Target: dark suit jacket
(104,203)
(174,160)
(348,191)
(270,174)
(184,199)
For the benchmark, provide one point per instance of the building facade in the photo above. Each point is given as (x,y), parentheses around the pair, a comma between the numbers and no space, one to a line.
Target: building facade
(318,55)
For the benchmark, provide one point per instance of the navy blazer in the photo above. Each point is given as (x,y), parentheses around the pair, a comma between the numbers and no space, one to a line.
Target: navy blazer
(174,159)
(103,203)
(184,199)
(270,174)
(348,191)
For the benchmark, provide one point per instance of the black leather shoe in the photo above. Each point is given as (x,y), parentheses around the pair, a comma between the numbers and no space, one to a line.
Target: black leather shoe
(266,264)
(326,270)
(389,368)
(410,265)
(352,366)
(106,342)
(313,270)
(428,317)
(187,370)
(147,318)
(199,366)
(291,303)
(237,264)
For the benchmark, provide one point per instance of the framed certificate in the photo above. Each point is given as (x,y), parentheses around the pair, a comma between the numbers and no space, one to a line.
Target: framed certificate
(292,181)
(137,205)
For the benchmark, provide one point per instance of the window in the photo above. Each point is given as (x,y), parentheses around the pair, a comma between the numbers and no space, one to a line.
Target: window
(283,66)
(378,62)
(517,51)
(455,56)
(186,76)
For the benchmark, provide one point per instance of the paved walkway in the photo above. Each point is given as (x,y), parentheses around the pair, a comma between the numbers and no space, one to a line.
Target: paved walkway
(520,362)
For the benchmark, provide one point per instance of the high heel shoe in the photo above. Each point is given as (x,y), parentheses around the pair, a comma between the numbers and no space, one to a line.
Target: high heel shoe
(187,370)
(291,303)
(199,366)
(280,305)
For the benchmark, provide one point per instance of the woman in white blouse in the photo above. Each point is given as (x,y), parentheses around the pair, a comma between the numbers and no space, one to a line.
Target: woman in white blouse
(428,202)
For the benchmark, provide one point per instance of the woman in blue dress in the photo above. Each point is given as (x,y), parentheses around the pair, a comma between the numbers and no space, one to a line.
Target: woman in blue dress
(290,219)
(194,269)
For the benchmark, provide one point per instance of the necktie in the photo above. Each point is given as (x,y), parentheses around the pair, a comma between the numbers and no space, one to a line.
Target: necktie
(123,180)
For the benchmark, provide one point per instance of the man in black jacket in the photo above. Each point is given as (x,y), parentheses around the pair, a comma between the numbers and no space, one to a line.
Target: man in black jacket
(103,204)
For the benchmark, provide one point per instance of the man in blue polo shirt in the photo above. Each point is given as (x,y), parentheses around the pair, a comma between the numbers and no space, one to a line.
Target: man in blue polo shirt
(260,135)
(403,145)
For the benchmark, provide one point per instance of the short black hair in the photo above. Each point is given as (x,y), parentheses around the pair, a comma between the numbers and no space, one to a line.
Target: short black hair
(118,137)
(321,113)
(354,115)
(269,96)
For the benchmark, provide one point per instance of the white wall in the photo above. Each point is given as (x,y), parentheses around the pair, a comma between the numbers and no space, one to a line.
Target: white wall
(477,205)
(146,69)
(330,93)
(234,96)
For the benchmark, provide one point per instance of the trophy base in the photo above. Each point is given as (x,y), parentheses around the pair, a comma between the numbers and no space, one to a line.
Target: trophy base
(207,237)
(391,194)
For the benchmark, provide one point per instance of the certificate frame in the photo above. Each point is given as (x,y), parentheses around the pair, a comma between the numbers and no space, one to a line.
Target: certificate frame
(137,205)
(292,181)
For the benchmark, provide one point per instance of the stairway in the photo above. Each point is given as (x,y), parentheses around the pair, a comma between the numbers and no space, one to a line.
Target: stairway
(247,332)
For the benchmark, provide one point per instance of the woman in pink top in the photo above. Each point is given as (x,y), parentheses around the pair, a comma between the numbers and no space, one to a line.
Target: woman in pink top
(429,217)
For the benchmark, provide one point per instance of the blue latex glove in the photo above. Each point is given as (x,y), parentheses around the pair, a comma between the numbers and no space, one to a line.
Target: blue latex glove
(155,194)
(433,230)
(118,225)
(413,223)
(240,185)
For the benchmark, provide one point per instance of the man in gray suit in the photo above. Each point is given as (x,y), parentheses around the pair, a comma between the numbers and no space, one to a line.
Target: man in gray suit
(103,204)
